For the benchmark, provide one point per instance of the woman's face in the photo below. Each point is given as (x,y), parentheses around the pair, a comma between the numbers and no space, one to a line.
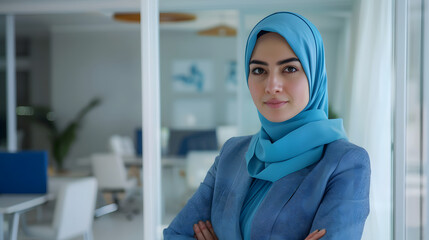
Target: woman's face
(277,81)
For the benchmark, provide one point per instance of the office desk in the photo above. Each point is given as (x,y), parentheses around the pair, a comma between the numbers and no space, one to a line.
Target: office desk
(135,164)
(17,204)
(166,162)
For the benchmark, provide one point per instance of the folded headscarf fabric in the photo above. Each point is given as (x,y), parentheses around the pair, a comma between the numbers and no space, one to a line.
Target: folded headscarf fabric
(281,148)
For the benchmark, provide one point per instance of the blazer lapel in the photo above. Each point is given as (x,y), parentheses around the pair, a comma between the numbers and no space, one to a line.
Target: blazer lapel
(234,200)
(277,197)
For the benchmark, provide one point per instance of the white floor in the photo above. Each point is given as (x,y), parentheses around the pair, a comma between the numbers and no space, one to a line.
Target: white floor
(112,226)
(116,226)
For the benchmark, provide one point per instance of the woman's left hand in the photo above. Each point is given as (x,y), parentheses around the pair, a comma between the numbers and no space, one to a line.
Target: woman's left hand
(204,231)
(316,235)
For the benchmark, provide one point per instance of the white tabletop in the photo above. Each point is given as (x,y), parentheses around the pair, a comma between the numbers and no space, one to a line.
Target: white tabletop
(15,204)
(11,203)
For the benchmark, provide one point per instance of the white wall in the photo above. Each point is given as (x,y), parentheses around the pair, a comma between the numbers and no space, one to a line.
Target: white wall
(96,63)
(331,41)
(39,69)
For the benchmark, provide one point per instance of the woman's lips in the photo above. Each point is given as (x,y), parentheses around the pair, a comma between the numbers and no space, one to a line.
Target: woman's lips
(275,103)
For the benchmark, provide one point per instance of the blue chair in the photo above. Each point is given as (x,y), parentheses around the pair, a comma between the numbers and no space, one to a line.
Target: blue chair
(24,172)
(139,142)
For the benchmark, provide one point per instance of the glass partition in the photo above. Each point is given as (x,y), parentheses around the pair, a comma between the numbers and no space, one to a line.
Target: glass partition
(350,37)
(66,60)
(3,127)
(415,177)
(79,81)
(198,99)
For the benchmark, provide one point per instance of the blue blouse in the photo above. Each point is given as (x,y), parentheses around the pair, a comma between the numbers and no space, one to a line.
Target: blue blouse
(257,191)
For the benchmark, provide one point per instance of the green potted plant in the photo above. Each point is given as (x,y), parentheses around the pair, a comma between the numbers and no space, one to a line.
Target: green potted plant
(61,140)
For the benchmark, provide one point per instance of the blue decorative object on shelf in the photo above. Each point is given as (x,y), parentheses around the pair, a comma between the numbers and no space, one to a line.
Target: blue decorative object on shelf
(194,78)
(24,172)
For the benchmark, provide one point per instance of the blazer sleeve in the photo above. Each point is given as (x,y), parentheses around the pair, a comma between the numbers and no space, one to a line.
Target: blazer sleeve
(345,205)
(197,208)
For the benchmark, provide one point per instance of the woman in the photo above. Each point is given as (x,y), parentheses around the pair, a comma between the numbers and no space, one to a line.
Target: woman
(298,177)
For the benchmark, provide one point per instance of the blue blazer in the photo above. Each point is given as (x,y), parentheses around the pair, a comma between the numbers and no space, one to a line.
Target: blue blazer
(333,193)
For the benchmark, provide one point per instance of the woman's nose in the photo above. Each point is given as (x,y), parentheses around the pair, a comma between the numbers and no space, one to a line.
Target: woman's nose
(274,85)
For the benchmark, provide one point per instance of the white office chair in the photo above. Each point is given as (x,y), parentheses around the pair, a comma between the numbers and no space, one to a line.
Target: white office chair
(223,133)
(109,170)
(197,165)
(74,212)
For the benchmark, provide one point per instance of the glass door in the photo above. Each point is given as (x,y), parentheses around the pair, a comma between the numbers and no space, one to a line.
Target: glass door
(415,175)
(69,64)
(359,67)
(3,127)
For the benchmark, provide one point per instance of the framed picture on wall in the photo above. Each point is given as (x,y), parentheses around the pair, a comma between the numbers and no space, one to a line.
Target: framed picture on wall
(192,75)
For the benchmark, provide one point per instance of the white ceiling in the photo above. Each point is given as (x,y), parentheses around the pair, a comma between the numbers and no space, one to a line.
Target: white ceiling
(62,6)
(41,16)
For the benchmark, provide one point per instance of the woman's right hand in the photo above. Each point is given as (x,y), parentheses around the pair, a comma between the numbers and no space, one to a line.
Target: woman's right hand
(316,235)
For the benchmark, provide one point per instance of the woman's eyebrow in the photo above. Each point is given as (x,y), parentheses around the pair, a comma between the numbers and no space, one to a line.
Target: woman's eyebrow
(278,63)
(258,62)
(287,60)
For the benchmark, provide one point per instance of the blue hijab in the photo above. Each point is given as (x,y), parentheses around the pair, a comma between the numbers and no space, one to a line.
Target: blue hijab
(279,149)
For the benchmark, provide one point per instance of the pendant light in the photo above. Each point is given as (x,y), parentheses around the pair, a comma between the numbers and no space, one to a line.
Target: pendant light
(169,17)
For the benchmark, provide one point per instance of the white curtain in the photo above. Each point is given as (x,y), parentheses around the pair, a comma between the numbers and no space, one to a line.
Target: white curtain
(369,115)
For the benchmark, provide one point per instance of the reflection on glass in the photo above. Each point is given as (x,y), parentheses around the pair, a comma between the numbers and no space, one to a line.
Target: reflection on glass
(63,62)
(198,101)
(3,131)
(414,174)
(349,45)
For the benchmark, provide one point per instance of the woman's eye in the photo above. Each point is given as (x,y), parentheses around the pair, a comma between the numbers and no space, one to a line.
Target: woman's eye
(290,69)
(258,71)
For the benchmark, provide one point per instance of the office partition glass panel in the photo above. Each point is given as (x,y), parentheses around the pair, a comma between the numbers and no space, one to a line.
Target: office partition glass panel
(198,100)
(67,60)
(425,114)
(3,127)
(350,37)
(85,69)
(359,77)
(415,177)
